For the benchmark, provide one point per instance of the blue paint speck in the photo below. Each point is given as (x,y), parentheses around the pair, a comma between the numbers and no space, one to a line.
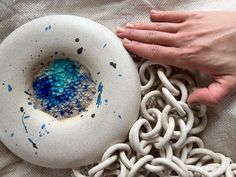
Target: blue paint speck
(26,117)
(99,98)
(33,144)
(104,45)
(44,130)
(48,28)
(12,134)
(9,88)
(42,126)
(23,121)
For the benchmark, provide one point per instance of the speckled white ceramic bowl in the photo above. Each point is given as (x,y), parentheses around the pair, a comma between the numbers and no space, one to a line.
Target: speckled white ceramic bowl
(42,139)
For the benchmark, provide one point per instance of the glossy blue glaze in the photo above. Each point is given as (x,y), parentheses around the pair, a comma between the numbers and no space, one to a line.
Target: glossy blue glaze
(60,85)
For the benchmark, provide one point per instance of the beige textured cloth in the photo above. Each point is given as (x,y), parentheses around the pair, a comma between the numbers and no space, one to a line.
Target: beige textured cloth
(220,134)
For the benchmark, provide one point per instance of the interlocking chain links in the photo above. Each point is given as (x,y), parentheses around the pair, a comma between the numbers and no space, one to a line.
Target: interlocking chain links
(164,141)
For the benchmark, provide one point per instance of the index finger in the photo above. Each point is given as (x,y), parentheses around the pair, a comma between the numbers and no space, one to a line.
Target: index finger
(156,53)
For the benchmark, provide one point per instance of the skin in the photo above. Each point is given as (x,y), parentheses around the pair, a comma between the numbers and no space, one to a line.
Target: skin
(199,41)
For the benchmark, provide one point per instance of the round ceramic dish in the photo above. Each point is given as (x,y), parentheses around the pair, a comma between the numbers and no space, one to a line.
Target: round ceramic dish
(77,133)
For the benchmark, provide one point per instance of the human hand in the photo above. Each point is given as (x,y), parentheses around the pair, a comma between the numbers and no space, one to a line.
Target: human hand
(202,41)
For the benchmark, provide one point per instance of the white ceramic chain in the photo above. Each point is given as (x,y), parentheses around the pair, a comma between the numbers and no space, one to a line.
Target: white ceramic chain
(164,141)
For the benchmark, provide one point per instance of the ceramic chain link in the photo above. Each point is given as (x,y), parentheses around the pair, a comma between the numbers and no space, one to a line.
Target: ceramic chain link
(163,141)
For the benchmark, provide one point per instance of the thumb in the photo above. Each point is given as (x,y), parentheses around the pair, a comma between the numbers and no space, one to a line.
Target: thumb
(214,93)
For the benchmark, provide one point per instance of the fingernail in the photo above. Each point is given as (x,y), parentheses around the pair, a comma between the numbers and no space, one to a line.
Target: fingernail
(154,11)
(193,104)
(129,25)
(120,30)
(126,41)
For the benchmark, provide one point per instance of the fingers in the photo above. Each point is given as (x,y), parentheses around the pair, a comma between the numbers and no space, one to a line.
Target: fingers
(156,53)
(169,16)
(212,95)
(163,27)
(146,36)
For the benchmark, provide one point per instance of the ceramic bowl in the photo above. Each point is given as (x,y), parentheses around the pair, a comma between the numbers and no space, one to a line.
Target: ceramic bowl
(68,91)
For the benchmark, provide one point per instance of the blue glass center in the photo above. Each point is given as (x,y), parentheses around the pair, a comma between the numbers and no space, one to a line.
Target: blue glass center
(63,88)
